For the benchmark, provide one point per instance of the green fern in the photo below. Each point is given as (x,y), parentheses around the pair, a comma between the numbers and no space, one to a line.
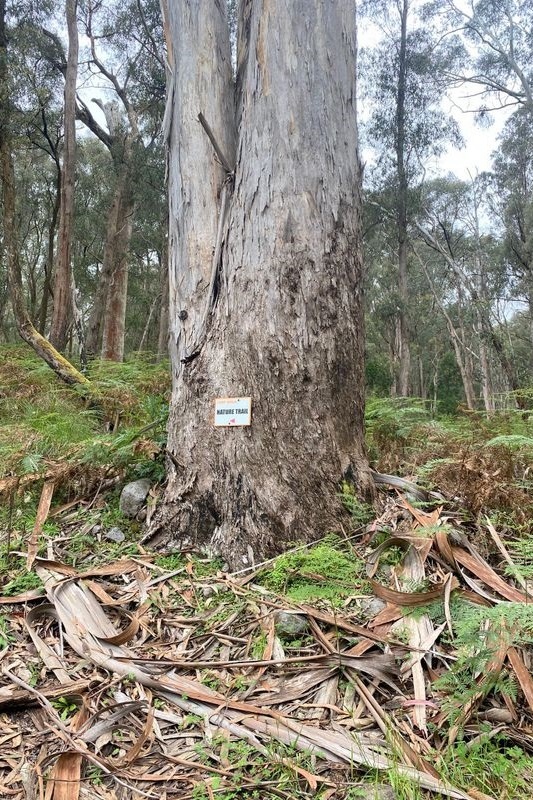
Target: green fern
(513,441)
(477,636)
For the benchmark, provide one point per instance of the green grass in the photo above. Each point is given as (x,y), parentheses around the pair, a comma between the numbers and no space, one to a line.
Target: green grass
(65,707)
(326,571)
(6,637)
(23,582)
(493,766)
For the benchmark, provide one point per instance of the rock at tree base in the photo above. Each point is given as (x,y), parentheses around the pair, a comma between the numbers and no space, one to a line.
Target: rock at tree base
(133,496)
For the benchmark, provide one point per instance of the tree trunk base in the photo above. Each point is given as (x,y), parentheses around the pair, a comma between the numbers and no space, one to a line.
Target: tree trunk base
(242,526)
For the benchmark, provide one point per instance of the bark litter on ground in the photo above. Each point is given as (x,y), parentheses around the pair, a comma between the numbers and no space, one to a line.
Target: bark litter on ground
(125,680)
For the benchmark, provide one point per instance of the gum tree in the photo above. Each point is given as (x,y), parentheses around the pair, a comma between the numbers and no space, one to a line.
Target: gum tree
(403,84)
(265,273)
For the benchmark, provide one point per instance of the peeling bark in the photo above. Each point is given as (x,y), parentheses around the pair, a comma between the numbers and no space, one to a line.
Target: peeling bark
(278,316)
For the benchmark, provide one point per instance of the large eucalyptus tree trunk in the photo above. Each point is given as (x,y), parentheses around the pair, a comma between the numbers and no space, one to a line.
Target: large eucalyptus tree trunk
(265,274)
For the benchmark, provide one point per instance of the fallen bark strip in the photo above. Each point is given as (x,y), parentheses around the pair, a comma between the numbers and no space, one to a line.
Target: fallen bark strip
(86,625)
(21,698)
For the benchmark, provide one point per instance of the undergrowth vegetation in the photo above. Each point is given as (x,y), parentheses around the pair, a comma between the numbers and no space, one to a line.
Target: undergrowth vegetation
(481,465)
(85,443)
(328,571)
(42,421)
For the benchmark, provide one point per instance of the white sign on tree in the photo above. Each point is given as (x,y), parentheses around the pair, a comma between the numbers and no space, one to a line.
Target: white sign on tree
(233,411)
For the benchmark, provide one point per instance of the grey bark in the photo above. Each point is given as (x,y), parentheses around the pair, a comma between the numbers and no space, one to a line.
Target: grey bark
(265,274)
(162,343)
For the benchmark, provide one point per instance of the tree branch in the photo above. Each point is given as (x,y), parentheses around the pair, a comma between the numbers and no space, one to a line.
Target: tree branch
(220,155)
(85,116)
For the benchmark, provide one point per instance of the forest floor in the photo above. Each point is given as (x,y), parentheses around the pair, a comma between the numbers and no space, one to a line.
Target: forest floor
(391,660)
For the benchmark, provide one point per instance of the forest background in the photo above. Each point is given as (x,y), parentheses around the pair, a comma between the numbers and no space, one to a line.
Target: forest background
(448,253)
(448,260)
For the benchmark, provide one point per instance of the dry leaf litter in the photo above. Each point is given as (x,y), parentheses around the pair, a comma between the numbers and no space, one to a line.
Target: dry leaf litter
(126,681)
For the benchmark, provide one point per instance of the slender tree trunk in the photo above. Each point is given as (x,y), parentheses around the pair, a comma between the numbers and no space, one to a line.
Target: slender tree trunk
(393,357)
(421,379)
(62,311)
(530,304)
(435,400)
(146,330)
(114,321)
(265,277)
(96,317)
(107,318)
(466,377)
(49,265)
(3,307)
(403,289)
(31,290)
(470,375)
(486,379)
(467,360)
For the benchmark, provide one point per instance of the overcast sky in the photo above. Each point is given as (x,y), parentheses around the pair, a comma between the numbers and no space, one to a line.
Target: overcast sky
(480,140)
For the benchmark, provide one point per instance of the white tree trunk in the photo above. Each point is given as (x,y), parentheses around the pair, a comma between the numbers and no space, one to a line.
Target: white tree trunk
(279,318)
